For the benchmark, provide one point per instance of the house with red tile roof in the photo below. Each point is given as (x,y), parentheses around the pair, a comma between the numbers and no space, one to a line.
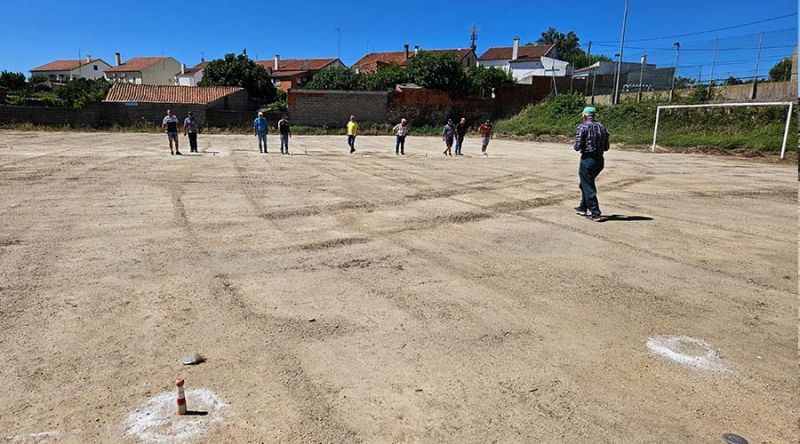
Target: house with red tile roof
(190,76)
(219,97)
(144,71)
(293,73)
(63,70)
(525,61)
(370,62)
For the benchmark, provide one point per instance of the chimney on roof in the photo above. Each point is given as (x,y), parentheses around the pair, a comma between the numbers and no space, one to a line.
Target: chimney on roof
(277,62)
(88,58)
(515,49)
(405,51)
(416,49)
(183,68)
(118,58)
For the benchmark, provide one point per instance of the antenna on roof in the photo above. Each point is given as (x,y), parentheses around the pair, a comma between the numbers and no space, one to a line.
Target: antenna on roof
(473,37)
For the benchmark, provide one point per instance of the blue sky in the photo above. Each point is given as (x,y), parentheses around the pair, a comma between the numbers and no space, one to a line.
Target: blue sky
(35,32)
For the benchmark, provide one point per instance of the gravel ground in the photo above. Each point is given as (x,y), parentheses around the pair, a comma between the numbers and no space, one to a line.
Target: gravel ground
(377,298)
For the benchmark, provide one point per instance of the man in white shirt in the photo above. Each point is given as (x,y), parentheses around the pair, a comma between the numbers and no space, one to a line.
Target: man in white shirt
(170,126)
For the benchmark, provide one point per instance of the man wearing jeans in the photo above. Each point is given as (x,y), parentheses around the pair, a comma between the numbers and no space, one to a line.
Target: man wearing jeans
(401,131)
(592,142)
(260,126)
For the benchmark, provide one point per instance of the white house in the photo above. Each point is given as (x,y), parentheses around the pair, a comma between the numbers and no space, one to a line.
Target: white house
(190,76)
(524,62)
(63,70)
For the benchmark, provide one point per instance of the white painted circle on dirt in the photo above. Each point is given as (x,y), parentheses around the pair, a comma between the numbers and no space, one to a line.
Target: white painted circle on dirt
(687,351)
(156,420)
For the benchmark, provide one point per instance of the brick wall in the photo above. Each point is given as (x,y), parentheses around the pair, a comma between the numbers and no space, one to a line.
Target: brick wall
(333,108)
(106,114)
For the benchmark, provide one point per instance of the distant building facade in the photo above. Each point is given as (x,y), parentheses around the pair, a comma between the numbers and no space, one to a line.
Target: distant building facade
(144,71)
(191,76)
(296,73)
(63,70)
(526,61)
(372,61)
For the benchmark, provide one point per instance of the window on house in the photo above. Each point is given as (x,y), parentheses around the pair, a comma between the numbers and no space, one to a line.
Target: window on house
(95,67)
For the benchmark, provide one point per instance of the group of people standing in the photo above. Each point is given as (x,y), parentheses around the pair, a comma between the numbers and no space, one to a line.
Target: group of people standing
(261,129)
(591,140)
(190,128)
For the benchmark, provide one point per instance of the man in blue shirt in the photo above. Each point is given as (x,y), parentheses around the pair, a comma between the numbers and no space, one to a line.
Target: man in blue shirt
(260,128)
(592,142)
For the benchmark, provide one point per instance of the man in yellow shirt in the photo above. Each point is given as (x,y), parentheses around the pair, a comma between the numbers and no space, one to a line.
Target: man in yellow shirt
(352,132)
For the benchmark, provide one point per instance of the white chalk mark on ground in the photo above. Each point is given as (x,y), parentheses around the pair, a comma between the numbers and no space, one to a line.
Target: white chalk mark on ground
(691,352)
(156,420)
(36,437)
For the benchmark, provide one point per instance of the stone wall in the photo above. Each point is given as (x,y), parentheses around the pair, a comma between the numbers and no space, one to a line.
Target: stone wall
(333,108)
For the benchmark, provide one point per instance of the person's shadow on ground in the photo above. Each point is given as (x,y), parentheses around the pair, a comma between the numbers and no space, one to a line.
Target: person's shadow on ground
(624,218)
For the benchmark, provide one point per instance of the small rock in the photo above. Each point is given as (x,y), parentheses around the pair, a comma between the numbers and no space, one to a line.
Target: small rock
(312,320)
(192,359)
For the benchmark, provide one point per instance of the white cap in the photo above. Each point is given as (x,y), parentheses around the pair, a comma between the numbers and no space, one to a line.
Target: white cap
(260,114)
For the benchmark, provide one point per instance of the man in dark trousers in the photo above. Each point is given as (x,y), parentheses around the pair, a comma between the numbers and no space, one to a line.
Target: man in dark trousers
(190,129)
(285,132)
(592,142)
(461,133)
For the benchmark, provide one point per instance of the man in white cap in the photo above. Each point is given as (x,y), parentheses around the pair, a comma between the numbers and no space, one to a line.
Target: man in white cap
(260,128)
(592,142)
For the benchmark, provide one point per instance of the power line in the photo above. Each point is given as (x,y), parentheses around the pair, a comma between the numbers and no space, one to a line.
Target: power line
(700,49)
(708,31)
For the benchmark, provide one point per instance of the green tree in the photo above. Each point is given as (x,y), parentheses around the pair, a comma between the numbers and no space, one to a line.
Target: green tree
(336,77)
(731,80)
(386,77)
(77,93)
(568,45)
(14,81)
(569,48)
(437,71)
(482,80)
(782,71)
(240,71)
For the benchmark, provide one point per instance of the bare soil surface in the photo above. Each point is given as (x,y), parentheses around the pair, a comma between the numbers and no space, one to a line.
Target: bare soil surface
(379,298)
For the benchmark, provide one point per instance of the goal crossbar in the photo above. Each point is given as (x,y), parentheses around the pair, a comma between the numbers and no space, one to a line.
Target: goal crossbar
(724,105)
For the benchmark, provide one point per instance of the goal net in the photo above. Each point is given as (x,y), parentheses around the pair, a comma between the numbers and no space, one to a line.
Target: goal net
(789,105)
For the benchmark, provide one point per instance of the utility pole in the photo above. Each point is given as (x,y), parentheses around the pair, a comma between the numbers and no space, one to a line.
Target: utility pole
(621,49)
(755,73)
(339,47)
(713,63)
(641,77)
(591,70)
(473,38)
(677,46)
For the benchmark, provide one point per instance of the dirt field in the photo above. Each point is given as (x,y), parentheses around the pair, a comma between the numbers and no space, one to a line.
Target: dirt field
(372,298)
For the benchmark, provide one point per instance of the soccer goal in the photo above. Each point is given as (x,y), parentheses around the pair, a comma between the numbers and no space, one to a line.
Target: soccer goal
(726,105)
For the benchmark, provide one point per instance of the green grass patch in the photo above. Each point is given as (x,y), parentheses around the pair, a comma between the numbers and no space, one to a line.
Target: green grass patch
(752,128)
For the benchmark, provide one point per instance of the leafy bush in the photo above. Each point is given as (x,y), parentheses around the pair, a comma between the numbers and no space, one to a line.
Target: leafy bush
(77,93)
(240,71)
(14,81)
(437,70)
(482,80)
(336,78)
(280,104)
(385,78)
(782,71)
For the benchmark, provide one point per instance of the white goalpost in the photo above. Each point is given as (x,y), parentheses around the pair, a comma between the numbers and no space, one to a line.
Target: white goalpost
(725,105)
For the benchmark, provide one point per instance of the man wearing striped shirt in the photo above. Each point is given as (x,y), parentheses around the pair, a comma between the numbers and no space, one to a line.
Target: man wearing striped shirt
(592,142)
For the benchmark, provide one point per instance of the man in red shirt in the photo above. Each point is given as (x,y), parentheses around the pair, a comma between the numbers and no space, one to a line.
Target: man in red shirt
(487,133)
